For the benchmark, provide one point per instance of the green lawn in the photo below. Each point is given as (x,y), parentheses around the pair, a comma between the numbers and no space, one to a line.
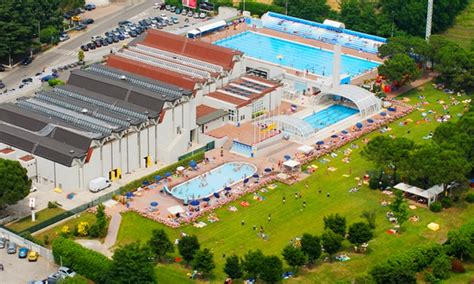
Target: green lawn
(71,223)
(288,221)
(41,216)
(462,31)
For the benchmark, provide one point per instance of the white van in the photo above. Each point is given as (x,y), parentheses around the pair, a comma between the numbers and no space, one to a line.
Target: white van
(99,184)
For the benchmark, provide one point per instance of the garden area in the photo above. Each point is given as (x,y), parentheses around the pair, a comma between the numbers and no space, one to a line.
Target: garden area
(288,212)
(43,215)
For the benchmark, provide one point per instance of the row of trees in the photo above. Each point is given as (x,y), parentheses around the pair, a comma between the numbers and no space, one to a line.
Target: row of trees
(21,21)
(448,159)
(408,55)
(14,182)
(383,18)
(440,259)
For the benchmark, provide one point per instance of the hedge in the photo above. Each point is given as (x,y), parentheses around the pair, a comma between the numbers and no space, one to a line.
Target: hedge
(86,262)
(131,186)
(259,9)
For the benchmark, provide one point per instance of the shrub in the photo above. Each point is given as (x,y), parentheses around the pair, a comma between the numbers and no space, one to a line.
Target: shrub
(430,278)
(46,240)
(65,231)
(55,82)
(447,202)
(436,207)
(470,197)
(86,262)
(457,266)
(83,229)
(441,266)
(256,8)
(52,205)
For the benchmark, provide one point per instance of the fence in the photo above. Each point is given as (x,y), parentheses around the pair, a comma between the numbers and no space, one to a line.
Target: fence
(209,146)
(11,236)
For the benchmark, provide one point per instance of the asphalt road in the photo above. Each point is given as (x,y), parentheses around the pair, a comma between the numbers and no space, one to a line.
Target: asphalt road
(67,49)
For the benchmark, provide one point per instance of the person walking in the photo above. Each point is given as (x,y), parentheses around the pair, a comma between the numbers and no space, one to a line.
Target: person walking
(284,200)
(269,217)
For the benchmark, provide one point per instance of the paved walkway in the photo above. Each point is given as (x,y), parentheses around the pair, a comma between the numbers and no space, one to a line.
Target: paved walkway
(114,226)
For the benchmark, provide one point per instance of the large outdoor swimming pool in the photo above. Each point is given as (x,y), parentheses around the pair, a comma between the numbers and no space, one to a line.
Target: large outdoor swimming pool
(329,116)
(213,181)
(294,55)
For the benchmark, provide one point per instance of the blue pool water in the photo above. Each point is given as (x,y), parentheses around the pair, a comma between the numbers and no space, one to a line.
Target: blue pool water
(329,116)
(294,55)
(213,181)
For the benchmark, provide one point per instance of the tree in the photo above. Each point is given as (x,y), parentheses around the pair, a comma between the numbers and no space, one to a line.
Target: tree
(398,271)
(294,257)
(187,247)
(455,66)
(271,269)
(55,82)
(78,279)
(160,244)
(204,262)
(441,266)
(459,244)
(336,223)
(253,262)
(311,246)
(359,15)
(360,233)
(132,263)
(399,69)
(331,242)
(232,267)
(80,55)
(49,35)
(14,182)
(99,228)
(399,208)
(313,10)
(370,217)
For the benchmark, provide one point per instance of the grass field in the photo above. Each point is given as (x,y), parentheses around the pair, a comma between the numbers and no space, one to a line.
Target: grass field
(463,30)
(41,216)
(290,220)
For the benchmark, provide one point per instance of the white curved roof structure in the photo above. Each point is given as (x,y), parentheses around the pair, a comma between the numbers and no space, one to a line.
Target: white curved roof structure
(366,102)
(294,127)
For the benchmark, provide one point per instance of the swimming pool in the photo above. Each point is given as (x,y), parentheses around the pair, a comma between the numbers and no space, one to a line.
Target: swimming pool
(294,55)
(213,181)
(329,116)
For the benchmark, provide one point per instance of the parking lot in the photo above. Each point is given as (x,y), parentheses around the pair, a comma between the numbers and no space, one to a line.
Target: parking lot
(17,270)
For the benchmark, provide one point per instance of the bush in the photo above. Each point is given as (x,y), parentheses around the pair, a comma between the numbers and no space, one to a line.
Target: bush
(436,207)
(55,82)
(430,278)
(86,262)
(441,266)
(457,266)
(447,202)
(52,205)
(470,197)
(46,240)
(256,8)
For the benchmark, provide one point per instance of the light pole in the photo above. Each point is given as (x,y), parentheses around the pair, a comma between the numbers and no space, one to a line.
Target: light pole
(286,7)
(393,21)
(243,7)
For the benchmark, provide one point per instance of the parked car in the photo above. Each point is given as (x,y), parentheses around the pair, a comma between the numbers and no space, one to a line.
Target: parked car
(184,12)
(11,248)
(27,80)
(173,8)
(2,68)
(66,272)
(164,17)
(89,7)
(162,7)
(67,15)
(64,37)
(167,7)
(80,27)
(156,5)
(91,45)
(110,40)
(133,33)
(88,21)
(98,43)
(84,47)
(99,184)
(27,61)
(178,11)
(190,14)
(196,15)
(123,23)
(22,252)
(33,255)
(47,78)
(3,241)
(202,15)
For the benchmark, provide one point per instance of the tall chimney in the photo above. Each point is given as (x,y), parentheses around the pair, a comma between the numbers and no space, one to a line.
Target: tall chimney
(336,68)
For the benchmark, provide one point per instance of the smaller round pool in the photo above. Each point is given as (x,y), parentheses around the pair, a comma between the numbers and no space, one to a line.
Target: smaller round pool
(213,181)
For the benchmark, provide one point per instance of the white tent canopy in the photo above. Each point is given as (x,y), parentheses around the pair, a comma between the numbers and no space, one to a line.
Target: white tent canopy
(305,149)
(366,102)
(291,164)
(175,209)
(431,194)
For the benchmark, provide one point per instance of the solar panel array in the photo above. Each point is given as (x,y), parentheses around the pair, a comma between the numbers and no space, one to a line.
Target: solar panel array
(108,106)
(179,58)
(253,85)
(237,91)
(165,64)
(165,92)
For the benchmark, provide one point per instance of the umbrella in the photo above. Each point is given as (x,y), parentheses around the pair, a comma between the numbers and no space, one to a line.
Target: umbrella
(206,199)
(154,204)
(227,188)
(267,170)
(194,203)
(370,120)
(334,136)
(145,183)
(192,164)
(391,109)
(168,174)
(216,194)
(246,180)
(256,175)
(383,113)
(129,194)
(320,142)
(287,157)
(280,57)
(344,132)
(157,178)
(359,125)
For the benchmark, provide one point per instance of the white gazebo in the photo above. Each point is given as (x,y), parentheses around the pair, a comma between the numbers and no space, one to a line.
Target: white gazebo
(305,149)
(366,102)
(430,194)
(291,165)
